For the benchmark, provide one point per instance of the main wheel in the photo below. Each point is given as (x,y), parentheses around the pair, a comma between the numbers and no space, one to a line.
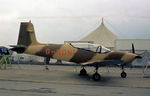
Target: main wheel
(83,72)
(123,74)
(96,77)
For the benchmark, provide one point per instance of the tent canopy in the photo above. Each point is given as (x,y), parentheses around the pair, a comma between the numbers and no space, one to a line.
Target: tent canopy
(102,35)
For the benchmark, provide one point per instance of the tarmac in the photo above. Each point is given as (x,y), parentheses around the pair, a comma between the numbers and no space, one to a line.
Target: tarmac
(59,80)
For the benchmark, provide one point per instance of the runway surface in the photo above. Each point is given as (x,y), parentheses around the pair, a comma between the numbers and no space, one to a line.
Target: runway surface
(34,80)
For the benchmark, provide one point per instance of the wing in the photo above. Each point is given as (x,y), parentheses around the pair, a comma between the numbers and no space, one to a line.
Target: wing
(103,63)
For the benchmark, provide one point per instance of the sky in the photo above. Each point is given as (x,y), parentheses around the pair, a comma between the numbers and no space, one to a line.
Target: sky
(56,21)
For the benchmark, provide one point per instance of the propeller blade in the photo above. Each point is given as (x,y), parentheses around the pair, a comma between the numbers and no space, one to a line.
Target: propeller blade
(133,50)
(138,57)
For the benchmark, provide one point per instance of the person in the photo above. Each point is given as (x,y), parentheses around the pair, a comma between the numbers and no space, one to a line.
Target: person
(46,60)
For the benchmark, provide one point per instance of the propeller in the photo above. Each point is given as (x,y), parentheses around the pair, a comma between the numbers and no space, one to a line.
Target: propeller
(133,50)
(137,57)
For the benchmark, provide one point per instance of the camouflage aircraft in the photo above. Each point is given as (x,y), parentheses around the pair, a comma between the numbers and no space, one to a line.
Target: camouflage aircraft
(28,44)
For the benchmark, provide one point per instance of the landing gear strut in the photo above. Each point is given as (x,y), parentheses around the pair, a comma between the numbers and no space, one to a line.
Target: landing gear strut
(83,72)
(96,75)
(123,74)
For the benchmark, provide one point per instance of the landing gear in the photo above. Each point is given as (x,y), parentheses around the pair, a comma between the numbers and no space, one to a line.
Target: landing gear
(83,72)
(123,74)
(96,76)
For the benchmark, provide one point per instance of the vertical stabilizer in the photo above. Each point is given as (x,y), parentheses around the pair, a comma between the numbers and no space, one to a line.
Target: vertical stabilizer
(26,34)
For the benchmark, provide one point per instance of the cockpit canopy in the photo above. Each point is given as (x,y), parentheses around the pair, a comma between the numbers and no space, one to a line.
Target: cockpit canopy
(92,47)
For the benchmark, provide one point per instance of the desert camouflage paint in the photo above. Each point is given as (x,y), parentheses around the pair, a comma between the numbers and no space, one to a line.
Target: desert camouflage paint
(65,52)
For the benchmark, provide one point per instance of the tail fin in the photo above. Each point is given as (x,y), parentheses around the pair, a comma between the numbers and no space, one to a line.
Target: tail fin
(26,34)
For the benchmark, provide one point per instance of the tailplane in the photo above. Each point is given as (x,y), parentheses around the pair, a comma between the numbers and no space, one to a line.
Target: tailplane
(26,34)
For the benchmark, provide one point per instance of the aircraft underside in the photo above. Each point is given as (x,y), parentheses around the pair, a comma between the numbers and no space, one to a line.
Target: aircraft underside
(96,76)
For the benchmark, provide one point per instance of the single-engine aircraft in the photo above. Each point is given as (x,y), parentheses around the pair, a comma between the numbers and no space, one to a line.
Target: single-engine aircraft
(28,44)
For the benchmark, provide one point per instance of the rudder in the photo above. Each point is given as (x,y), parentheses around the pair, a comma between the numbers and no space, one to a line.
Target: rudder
(27,34)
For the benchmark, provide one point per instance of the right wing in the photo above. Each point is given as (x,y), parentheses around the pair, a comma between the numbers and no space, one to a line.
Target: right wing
(103,63)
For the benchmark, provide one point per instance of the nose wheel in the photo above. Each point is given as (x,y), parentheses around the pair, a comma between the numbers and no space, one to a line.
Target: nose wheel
(96,76)
(123,74)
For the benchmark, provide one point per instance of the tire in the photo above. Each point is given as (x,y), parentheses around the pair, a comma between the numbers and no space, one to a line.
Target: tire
(123,74)
(96,77)
(83,72)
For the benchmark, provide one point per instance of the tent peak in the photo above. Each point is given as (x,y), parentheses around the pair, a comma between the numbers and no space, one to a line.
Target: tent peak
(102,21)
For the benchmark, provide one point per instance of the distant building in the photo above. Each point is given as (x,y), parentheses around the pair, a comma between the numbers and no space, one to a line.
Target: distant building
(139,44)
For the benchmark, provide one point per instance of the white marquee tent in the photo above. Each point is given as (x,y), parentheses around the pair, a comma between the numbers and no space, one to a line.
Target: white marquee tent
(102,35)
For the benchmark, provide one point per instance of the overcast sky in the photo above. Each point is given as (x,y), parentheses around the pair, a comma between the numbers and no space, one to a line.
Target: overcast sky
(56,21)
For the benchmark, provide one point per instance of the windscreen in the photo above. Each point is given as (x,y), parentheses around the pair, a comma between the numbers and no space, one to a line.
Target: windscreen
(91,47)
